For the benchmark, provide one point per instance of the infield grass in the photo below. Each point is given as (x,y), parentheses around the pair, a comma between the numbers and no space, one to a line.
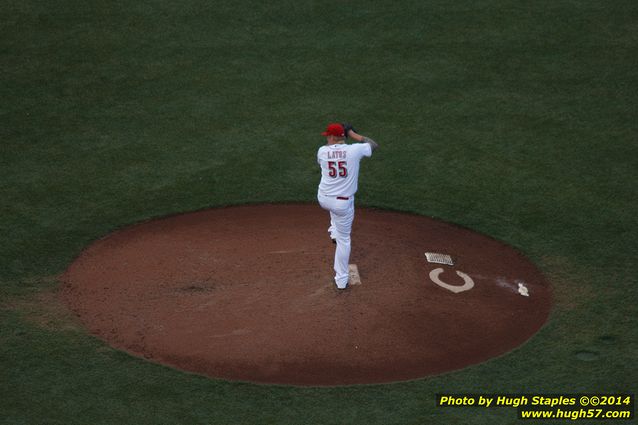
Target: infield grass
(518,120)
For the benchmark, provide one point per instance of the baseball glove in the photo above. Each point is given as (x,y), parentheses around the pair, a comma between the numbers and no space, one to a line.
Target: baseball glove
(347,127)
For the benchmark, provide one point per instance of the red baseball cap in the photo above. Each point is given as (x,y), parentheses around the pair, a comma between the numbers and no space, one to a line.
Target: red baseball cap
(334,129)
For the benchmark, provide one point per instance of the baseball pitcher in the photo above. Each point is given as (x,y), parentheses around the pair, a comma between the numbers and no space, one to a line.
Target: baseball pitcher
(339,179)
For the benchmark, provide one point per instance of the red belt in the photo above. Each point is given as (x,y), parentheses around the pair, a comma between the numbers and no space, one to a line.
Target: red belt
(343,198)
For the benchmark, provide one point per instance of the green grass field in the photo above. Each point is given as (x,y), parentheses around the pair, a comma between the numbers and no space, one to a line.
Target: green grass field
(516,119)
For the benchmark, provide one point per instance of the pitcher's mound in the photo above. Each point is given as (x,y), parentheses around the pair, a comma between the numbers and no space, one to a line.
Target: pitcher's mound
(246,293)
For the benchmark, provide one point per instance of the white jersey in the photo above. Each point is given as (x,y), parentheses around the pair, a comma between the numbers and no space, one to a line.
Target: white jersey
(340,168)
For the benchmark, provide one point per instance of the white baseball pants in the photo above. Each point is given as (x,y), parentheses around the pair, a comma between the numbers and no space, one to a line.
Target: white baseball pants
(341,218)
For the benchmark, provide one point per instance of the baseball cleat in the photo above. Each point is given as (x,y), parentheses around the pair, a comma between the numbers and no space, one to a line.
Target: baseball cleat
(344,286)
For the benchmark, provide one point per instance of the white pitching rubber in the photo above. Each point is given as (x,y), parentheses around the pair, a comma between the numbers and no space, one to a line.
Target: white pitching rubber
(353,274)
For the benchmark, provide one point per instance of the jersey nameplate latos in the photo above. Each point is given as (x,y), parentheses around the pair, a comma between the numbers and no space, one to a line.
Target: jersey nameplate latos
(340,154)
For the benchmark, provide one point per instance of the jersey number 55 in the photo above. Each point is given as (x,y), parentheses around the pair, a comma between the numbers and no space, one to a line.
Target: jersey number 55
(339,168)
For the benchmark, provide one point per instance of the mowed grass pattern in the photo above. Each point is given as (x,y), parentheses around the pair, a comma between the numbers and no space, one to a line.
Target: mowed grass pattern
(516,120)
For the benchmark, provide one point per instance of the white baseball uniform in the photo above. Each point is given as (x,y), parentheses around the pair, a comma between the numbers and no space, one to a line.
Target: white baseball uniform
(339,181)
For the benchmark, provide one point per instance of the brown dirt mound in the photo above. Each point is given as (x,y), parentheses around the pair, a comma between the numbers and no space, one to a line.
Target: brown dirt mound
(246,293)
